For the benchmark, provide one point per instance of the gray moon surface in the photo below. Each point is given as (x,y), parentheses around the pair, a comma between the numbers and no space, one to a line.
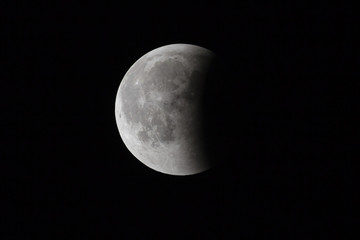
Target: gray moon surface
(158,109)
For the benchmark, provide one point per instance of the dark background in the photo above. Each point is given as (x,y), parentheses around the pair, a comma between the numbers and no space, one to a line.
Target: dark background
(281,122)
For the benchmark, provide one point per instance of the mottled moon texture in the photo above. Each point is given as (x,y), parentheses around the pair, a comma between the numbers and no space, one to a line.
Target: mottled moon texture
(158,109)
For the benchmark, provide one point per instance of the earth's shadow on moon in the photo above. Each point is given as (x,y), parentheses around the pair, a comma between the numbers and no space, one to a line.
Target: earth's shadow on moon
(222,124)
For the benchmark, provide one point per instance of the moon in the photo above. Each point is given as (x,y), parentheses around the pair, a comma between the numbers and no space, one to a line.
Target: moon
(158,109)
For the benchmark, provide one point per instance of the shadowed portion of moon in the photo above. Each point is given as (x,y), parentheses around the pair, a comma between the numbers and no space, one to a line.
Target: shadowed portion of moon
(219,112)
(159,109)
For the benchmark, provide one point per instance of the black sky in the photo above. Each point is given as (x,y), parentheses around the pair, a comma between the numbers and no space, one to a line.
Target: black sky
(282,112)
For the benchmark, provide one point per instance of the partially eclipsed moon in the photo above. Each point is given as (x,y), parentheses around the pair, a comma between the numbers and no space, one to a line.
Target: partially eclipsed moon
(158,109)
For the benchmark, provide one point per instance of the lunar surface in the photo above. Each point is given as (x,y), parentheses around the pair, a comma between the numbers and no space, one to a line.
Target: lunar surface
(158,109)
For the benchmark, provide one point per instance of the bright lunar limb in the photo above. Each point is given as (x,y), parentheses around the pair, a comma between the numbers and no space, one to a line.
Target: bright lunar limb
(158,109)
